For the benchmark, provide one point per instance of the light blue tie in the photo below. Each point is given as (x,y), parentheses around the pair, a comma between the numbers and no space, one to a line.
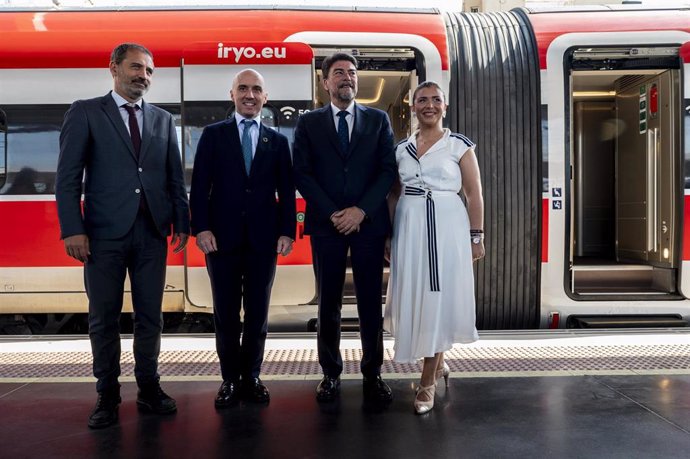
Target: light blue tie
(247,144)
(343,130)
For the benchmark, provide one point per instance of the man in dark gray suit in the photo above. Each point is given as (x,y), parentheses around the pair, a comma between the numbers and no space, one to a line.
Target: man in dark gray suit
(127,152)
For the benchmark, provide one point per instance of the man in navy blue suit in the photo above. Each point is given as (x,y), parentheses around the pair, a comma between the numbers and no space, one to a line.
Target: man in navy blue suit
(344,168)
(239,167)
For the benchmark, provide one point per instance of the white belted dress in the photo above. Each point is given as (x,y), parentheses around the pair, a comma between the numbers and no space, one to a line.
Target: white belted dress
(430,302)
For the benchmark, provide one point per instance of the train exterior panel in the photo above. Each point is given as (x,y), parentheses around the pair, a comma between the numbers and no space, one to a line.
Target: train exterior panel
(544,100)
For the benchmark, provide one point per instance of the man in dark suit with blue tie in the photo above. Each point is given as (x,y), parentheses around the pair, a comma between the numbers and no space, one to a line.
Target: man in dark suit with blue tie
(344,168)
(127,152)
(239,167)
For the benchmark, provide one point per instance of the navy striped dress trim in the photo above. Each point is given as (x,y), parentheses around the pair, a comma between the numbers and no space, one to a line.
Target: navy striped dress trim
(466,140)
(431,243)
(412,151)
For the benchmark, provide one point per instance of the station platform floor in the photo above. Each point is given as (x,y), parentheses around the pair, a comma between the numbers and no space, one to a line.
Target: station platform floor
(547,394)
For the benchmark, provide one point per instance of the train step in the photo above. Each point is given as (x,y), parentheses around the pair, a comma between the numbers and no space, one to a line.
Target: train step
(626,321)
(622,279)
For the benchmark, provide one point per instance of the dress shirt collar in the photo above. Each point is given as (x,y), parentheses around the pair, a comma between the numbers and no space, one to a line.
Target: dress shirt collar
(239,118)
(350,109)
(120,101)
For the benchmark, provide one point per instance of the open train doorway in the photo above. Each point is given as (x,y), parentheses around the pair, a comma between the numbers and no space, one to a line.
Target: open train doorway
(626,172)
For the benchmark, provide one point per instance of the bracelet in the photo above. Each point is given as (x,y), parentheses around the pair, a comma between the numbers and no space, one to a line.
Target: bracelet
(476,231)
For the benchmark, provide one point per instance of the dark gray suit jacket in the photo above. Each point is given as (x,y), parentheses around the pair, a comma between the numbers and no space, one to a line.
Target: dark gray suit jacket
(94,141)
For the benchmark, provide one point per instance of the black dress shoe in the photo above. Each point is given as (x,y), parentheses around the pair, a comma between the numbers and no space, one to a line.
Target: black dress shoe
(151,398)
(254,390)
(105,412)
(328,389)
(375,389)
(227,395)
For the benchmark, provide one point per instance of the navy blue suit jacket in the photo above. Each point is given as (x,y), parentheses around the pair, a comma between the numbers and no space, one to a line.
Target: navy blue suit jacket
(330,179)
(234,205)
(95,141)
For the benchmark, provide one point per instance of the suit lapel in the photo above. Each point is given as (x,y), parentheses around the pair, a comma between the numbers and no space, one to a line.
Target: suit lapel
(358,129)
(327,119)
(262,147)
(147,132)
(113,112)
(235,148)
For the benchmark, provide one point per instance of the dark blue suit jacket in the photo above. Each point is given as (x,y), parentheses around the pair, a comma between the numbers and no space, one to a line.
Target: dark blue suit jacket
(233,205)
(94,140)
(330,179)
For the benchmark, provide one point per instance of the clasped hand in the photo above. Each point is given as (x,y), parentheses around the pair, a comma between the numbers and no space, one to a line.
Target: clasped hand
(206,242)
(347,221)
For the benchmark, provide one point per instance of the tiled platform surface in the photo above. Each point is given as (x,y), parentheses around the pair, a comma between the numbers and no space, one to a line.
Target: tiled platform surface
(495,354)
(534,396)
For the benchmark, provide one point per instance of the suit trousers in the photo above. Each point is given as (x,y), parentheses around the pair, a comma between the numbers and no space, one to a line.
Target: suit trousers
(142,253)
(330,258)
(241,278)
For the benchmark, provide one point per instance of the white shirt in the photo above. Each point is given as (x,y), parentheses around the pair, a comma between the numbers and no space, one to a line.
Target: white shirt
(254,132)
(349,118)
(120,101)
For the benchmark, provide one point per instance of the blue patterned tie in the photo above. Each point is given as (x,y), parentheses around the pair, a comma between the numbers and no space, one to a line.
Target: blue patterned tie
(247,144)
(343,130)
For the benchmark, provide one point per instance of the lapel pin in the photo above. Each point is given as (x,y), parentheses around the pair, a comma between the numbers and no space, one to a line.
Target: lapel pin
(264,139)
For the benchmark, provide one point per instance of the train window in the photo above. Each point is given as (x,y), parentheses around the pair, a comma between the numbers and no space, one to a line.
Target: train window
(32,144)
(196,116)
(174,110)
(3,147)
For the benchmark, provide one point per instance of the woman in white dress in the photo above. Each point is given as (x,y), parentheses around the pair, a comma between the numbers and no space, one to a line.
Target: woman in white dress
(430,303)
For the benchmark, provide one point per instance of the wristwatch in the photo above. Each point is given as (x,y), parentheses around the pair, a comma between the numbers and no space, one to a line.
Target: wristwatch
(477,239)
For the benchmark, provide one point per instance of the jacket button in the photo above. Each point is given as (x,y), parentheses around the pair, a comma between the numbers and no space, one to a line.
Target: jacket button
(137,191)
(141,170)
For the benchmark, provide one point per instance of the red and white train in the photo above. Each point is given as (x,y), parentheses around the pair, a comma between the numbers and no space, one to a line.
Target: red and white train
(582,121)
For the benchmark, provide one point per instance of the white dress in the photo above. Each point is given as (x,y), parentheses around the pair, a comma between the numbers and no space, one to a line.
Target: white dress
(430,302)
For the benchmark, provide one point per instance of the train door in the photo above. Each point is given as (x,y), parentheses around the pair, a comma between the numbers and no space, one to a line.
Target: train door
(207,72)
(626,163)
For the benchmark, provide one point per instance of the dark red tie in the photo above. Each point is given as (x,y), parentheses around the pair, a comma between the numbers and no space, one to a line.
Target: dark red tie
(134,127)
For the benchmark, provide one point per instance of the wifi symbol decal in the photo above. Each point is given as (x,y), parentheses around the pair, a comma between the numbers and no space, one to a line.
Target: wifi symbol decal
(288,112)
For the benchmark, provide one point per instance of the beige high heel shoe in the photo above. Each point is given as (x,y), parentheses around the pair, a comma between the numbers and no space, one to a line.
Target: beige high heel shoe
(424,406)
(443,371)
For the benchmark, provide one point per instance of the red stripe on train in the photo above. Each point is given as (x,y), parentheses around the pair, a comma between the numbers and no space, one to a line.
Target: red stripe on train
(545,230)
(31,236)
(685,53)
(89,36)
(686,228)
(548,27)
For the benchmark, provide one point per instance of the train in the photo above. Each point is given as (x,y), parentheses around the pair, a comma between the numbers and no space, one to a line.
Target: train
(581,120)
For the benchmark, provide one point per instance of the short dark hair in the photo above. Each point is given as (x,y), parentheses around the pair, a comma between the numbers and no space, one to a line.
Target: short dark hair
(332,59)
(428,84)
(120,52)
